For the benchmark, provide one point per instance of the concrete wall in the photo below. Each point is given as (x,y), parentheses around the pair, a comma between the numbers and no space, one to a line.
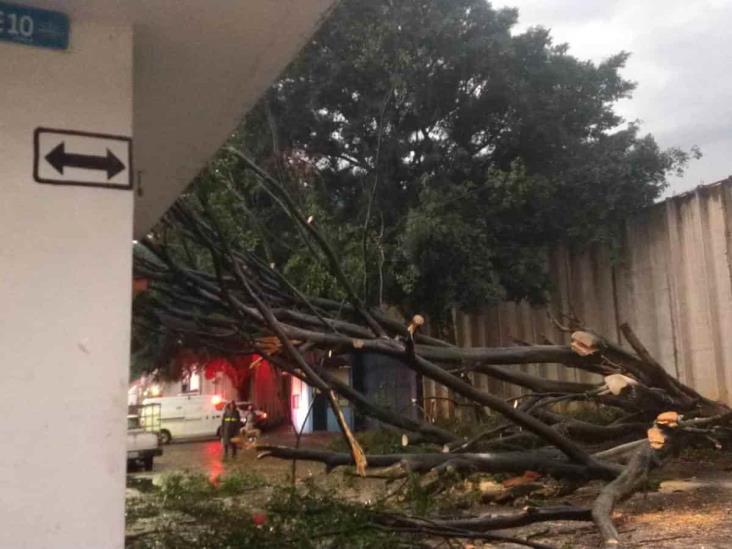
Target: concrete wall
(65,255)
(672,281)
(65,276)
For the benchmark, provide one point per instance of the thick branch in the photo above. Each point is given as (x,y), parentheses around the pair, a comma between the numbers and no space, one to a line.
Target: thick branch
(591,432)
(659,376)
(631,479)
(560,354)
(518,417)
(535,383)
(489,521)
(503,462)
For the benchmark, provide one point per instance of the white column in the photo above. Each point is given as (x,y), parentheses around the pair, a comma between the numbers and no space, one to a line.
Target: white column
(65,287)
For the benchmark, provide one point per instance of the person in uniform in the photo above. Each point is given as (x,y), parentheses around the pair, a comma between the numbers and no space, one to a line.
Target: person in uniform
(230,425)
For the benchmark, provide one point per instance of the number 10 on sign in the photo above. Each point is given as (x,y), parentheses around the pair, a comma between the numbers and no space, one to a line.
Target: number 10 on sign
(14,25)
(33,27)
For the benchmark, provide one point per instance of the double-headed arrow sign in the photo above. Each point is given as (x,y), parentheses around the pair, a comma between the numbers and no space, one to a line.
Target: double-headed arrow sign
(74,157)
(60,159)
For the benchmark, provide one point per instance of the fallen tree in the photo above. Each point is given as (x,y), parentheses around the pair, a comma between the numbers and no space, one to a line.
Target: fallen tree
(243,305)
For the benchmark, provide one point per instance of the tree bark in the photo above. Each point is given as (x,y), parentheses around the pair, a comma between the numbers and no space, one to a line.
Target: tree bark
(492,462)
(535,383)
(489,521)
(631,479)
(522,419)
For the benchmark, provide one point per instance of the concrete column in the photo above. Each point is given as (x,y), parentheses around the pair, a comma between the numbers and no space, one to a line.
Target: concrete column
(65,287)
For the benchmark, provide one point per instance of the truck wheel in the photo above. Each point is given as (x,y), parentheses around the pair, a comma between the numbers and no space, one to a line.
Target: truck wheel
(148,463)
(165,437)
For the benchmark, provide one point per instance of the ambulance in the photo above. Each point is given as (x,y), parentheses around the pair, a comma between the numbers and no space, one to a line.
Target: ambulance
(188,416)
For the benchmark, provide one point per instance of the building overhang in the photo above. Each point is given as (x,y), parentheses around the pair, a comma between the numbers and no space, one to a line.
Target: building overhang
(198,68)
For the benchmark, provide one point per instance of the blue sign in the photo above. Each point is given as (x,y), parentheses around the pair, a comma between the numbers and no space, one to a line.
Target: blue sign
(34,27)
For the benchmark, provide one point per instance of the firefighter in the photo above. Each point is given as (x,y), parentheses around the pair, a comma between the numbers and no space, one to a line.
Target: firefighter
(230,425)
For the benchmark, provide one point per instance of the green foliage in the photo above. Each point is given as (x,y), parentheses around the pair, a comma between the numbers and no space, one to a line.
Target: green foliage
(466,426)
(419,496)
(471,148)
(306,518)
(439,493)
(177,486)
(315,518)
(441,153)
(239,482)
(592,413)
(137,509)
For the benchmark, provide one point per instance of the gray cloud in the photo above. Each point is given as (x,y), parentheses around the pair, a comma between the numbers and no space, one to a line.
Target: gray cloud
(680,61)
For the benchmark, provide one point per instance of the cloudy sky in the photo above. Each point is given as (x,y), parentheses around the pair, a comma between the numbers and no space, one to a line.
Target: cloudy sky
(681,60)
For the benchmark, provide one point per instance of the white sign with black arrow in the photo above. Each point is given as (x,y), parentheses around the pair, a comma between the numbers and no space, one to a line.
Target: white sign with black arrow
(67,157)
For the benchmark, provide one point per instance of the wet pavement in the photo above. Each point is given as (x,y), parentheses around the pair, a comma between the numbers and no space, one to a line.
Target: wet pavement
(691,507)
(206,456)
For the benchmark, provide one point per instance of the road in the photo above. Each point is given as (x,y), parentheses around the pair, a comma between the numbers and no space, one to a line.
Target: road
(207,457)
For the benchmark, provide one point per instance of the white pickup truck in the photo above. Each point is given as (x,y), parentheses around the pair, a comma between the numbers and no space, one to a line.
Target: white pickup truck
(142,445)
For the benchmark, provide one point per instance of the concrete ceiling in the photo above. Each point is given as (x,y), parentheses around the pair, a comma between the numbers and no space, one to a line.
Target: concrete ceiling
(199,66)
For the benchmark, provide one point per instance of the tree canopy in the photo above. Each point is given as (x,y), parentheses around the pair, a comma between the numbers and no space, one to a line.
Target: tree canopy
(441,152)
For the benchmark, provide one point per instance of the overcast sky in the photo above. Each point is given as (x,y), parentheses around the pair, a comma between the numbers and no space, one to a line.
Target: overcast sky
(681,59)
